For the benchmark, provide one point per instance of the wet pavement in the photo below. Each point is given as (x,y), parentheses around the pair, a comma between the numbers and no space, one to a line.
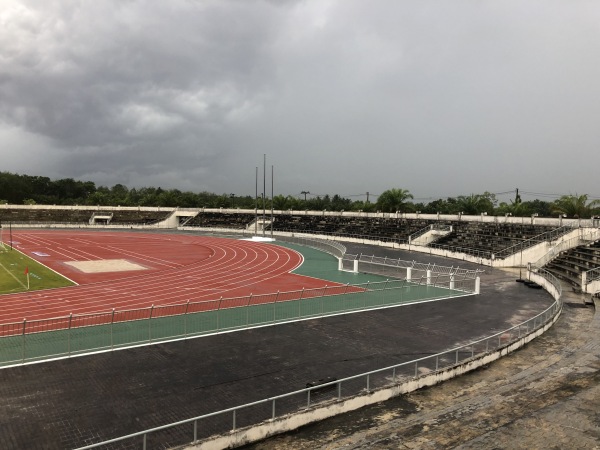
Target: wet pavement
(544,396)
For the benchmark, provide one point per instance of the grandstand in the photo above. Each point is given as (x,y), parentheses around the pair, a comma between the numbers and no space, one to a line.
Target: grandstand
(37,215)
(571,264)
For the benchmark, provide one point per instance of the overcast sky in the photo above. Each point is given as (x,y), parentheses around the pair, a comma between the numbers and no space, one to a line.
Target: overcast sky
(442,98)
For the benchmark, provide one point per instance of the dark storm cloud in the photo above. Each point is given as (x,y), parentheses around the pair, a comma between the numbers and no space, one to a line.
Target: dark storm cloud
(441,98)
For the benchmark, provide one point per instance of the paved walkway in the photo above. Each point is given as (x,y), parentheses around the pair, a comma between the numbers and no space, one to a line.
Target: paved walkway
(545,396)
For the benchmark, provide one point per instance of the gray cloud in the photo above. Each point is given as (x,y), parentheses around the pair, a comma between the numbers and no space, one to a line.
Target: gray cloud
(441,98)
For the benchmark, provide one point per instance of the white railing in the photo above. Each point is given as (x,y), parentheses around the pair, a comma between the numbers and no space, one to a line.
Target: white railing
(548,236)
(554,252)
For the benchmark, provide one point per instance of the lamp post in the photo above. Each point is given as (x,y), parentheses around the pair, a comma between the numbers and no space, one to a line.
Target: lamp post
(520,279)
(232,196)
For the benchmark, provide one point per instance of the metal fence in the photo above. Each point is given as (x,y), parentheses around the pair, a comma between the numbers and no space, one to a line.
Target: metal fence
(194,429)
(592,275)
(332,247)
(482,254)
(568,244)
(36,340)
(392,267)
(428,228)
(548,236)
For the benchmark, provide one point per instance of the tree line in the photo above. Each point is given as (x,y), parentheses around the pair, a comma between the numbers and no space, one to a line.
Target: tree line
(27,189)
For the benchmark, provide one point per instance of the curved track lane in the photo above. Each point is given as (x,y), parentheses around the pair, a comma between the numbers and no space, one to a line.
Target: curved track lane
(176,269)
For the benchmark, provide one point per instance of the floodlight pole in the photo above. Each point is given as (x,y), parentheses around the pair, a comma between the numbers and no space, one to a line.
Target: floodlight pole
(272,184)
(256,206)
(264,192)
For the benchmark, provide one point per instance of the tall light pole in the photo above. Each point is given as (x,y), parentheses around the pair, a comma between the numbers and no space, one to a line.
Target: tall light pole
(256,206)
(264,192)
(304,193)
(272,186)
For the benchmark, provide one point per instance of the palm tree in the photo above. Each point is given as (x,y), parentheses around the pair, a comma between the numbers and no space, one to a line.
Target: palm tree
(393,200)
(576,206)
(475,203)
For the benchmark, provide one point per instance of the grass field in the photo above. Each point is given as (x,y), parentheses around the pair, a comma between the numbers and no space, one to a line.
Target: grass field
(13,276)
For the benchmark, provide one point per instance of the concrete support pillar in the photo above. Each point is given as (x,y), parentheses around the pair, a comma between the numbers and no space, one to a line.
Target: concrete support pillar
(340,264)
(408,273)
(451,281)
(429,277)
(355,268)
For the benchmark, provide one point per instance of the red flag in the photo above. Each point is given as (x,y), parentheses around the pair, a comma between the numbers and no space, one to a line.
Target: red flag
(26,270)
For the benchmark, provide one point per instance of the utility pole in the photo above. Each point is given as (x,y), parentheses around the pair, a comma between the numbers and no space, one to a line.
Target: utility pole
(304,193)
(367,196)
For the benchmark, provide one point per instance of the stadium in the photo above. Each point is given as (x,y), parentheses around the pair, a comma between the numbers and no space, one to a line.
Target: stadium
(218,328)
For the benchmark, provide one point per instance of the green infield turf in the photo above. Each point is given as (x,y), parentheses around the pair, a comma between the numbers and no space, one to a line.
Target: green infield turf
(15,268)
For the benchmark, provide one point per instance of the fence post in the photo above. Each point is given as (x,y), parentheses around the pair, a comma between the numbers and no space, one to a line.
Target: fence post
(275,305)
(234,420)
(248,310)
(112,320)
(150,323)
(383,291)
(195,431)
(300,303)
(69,335)
(273,410)
(219,313)
(185,314)
(23,341)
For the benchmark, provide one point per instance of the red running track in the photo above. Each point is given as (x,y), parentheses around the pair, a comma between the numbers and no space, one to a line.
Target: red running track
(177,268)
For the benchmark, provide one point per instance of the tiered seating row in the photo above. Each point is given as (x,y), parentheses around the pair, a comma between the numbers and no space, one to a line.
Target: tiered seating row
(570,264)
(375,228)
(221,220)
(80,216)
(489,237)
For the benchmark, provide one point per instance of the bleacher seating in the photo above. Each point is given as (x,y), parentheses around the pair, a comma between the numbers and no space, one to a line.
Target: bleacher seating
(476,237)
(221,220)
(571,263)
(385,229)
(140,217)
(38,215)
(80,216)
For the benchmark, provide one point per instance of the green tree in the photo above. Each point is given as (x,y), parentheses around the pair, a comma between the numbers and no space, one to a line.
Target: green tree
(476,203)
(516,209)
(576,206)
(394,200)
